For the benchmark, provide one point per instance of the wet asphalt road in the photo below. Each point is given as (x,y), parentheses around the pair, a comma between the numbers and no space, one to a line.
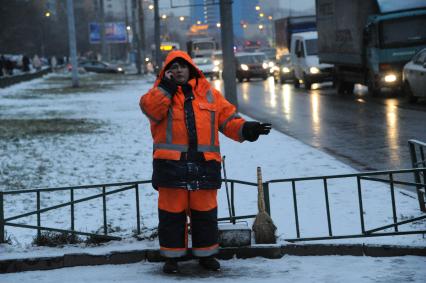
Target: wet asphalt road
(365,132)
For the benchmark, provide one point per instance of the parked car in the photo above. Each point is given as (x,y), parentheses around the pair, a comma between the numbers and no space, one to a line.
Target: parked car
(304,56)
(284,70)
(206,65)
(251,65)
(100,67)
(414,76)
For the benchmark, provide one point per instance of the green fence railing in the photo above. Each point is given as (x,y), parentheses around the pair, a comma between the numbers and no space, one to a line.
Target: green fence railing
(110,189)
(418,160)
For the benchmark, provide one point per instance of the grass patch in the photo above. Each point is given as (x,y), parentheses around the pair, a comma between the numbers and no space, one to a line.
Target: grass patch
(149,234)
(54,239)
(100,238)
(61,84)
(18,128)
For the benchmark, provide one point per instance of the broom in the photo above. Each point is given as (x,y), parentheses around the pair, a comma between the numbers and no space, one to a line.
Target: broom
(263,227)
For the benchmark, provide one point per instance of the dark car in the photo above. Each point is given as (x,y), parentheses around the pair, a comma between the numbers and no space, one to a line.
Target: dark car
(284,71)
(100,67)
(251,65)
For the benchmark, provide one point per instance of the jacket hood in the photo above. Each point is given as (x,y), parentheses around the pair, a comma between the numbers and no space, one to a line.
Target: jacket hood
(174,55)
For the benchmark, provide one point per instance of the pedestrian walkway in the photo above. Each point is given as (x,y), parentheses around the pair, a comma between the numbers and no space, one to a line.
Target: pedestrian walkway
(287,269)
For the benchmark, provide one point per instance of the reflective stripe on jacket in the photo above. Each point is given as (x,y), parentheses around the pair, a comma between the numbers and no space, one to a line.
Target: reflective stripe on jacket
(213,113)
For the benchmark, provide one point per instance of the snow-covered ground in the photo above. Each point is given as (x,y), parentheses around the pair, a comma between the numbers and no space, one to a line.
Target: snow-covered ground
(307,269)
(53,136)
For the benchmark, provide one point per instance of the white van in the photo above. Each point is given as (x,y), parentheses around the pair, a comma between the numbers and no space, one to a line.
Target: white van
(304,57)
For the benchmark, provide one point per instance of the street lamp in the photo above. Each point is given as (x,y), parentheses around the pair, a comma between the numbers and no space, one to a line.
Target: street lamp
(261,27)
(164,16)
(218,25)
(257,8)
(151,6)
(181,18)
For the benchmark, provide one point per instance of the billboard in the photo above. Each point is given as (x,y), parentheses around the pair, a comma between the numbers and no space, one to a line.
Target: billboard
(114,33)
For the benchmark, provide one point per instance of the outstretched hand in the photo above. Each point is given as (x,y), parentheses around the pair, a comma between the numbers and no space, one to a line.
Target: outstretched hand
(252,130)
(264,128)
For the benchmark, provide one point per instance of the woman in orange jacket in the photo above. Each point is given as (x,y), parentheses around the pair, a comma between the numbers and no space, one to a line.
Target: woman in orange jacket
(186,114)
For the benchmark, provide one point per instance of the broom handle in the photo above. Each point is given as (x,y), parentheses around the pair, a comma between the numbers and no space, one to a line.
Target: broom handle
(260,195)
(226,187)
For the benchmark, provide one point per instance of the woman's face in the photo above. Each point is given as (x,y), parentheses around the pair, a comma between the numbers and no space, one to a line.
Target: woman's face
(180,72)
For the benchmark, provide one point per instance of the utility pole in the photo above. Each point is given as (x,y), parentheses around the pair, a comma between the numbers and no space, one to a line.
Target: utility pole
(135,8)
(227,35)
(72,42)
(142,33)
(157,36)
(126,19)
(102,29)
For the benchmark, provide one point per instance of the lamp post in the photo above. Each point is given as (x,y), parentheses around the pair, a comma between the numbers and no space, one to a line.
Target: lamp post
(227,36)
(157,36)
(72,42)
(102,29)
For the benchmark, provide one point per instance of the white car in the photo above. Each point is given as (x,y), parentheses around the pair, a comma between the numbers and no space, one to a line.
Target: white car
(414,76)
(205,64)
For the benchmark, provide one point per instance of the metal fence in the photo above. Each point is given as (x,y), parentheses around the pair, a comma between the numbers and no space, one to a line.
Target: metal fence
(418,160)
(387,177)
(108,189)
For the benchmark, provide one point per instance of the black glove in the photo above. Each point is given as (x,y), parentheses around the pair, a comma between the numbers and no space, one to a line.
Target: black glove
(252,130)
(168,85)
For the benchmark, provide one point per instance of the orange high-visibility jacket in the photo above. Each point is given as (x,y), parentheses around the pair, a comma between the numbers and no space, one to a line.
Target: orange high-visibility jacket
(212,111)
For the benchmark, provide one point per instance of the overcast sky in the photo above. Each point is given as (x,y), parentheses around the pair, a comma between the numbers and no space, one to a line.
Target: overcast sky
(299,5)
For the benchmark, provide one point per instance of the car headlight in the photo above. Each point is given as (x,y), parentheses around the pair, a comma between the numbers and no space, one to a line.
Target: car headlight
(216,69)
(390,78)
(216,62)
(314,70)
(244,67)
(265,65)
(271,64)
(286,70)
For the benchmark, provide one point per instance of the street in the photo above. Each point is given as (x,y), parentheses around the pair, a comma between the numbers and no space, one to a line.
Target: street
(369,133)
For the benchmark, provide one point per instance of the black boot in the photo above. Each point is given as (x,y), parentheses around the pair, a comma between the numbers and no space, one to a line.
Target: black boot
(210,263)
(170,266)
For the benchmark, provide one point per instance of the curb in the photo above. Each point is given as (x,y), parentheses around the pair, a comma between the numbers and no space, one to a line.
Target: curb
(8,81)
(151,255)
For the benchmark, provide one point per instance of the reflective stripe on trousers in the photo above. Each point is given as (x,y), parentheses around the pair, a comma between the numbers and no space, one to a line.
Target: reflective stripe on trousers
(174,205)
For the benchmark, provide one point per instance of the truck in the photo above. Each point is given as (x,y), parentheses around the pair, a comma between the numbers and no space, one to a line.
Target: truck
(285,27)
(369,41)
(201,47)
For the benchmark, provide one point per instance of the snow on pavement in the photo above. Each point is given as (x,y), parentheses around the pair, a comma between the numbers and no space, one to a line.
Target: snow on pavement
(328,269)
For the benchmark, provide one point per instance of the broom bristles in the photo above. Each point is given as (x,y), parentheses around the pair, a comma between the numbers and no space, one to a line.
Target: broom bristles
(264,229)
